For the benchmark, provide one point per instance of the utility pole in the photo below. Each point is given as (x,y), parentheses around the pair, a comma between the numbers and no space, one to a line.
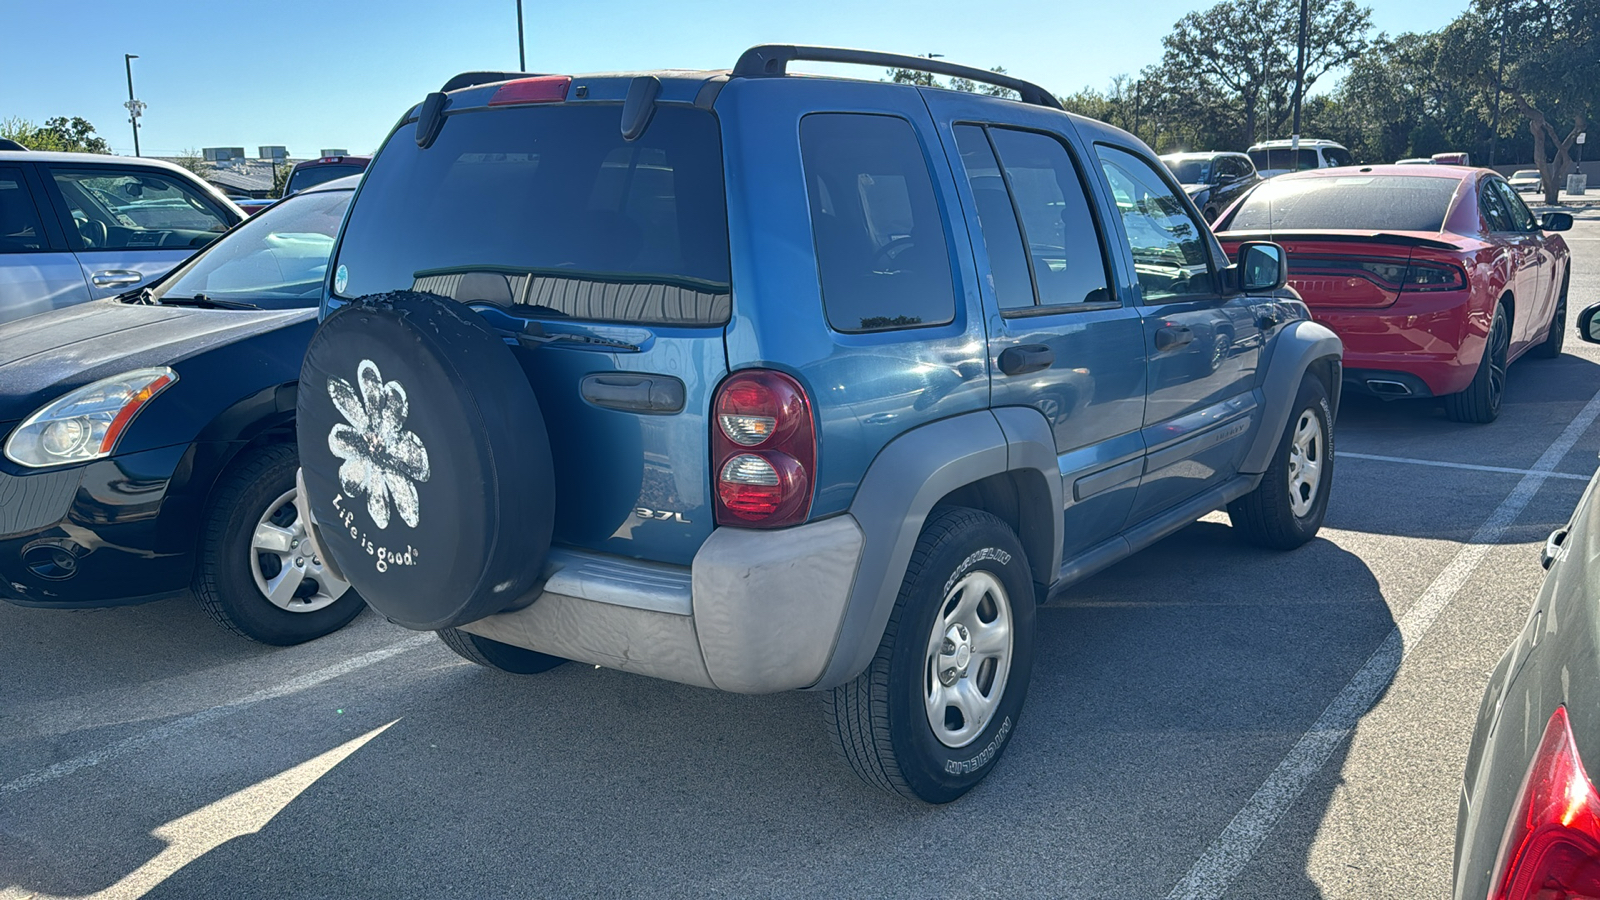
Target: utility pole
(522,52)
(135,108)
(1299,85)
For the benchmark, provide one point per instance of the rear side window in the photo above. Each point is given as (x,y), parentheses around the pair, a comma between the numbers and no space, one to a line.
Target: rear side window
(881,251)
(311,176)
(546,211)
(1063,243)
(20,228)
(1521,217)
(121,210)
(1493,207)
(1356,201)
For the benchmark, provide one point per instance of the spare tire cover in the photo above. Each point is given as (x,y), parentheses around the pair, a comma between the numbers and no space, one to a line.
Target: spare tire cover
(426,460)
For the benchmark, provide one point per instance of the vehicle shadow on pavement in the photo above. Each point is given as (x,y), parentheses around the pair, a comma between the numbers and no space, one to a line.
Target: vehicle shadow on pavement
(1165,690)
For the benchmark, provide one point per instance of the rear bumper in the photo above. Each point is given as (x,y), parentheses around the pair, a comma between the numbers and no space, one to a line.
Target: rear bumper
(107,533)
(756,612)
(1436,339)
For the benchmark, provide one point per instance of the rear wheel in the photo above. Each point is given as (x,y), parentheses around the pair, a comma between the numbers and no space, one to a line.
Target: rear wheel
(931,715)
(258,575)
(497,655)
(1551,346)
(1480,402)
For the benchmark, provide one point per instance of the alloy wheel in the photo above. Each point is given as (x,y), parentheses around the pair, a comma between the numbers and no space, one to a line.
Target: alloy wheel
(289,573)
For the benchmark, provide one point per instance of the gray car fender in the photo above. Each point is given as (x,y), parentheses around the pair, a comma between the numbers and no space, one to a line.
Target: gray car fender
(1295,348)
(908,477)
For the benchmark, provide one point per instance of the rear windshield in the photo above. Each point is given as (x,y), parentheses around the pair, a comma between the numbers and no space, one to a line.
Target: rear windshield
(312,176)
(1359,202)
(1283,159)
(548,210)
(1190,171)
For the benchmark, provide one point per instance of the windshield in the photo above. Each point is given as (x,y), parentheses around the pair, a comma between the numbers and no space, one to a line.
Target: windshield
(1357,202)
(275,259)
(1190,171)
(1283,159)
(1526,173)
(547,209)
(311,176)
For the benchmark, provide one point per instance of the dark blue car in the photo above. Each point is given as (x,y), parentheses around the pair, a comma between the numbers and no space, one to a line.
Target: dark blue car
(149,439)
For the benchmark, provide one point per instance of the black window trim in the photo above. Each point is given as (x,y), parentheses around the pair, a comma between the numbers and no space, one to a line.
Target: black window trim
(956,281)
(47,175)
(1038,308)
(1205,230)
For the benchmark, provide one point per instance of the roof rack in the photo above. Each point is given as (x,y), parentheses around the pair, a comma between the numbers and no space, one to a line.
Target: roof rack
(469,79)
(768,60)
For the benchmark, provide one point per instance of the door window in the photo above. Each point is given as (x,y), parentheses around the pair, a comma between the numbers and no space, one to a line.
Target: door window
(1063,244)
(997,220)
(1493,206)
(1521,217)
(881,250)
(1169,252)
(21,230)
(116,210)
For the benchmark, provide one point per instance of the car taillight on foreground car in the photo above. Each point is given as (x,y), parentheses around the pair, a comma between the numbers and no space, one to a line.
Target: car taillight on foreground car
(763,450)
(1552,844)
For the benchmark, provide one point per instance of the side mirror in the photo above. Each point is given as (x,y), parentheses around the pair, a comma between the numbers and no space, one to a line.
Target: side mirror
(1556,221)
(1261,267)
(1588,327)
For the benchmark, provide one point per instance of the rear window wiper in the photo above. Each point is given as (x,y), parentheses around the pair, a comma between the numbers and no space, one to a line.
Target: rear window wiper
(204,302)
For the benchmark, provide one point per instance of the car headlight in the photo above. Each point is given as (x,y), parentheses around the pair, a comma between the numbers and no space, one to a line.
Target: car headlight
(86,423)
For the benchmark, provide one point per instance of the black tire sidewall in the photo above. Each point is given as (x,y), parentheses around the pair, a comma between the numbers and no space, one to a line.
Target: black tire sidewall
(937,773)
(227,584)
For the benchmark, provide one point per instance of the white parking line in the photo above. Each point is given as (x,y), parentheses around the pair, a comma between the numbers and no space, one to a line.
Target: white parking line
(1227,856)
(1346,454)
(187,723)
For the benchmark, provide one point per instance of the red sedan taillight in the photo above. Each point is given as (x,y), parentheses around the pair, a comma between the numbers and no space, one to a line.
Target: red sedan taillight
(1552,844)
(763,450)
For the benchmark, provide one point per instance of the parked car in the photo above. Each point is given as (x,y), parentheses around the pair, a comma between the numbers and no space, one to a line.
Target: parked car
(1414,161)
(763,383)
(1436,278)
(1524,180)
(1529,819)
(326,168)
(1212,180)
(252,205)
(78,226)
(1452,158)
(148,440)
(1274,158)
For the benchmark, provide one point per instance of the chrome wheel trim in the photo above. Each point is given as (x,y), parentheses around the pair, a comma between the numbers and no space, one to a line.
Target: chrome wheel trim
(1306,459)
(968,659)
(298,564)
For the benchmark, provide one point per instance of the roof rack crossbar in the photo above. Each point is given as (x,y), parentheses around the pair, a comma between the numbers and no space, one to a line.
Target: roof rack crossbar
(769,60)
(470,79)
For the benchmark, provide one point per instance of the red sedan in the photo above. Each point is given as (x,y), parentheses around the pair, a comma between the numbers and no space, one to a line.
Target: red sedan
(1437,278)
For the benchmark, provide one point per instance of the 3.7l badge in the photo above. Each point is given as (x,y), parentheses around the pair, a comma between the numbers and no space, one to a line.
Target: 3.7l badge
(661,515)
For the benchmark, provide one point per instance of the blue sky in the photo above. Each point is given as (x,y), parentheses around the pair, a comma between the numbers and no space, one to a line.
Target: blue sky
(338,73)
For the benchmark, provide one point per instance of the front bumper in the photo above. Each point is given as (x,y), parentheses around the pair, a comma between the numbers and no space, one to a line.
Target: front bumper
(107,533)
(1436,338)
(756,612)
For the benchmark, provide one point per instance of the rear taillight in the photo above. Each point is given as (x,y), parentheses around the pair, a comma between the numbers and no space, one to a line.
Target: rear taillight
(544,89)
(1421,276)
(1551,847)
(763,450)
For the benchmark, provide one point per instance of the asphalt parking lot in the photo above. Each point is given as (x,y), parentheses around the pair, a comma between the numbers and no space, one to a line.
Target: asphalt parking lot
(1205,720)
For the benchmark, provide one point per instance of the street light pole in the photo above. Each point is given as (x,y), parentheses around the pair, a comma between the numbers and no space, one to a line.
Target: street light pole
(134,106)
(522,52)
(1299,85)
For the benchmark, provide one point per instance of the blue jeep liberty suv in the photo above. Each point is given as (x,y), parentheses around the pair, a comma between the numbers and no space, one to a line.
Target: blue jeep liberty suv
(764,382)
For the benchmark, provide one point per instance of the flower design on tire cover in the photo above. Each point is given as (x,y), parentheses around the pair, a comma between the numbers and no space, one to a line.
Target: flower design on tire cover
(382,459)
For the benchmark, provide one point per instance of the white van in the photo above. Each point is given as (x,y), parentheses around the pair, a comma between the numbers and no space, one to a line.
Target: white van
(1277,157)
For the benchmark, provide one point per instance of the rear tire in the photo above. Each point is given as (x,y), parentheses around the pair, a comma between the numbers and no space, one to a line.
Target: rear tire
(932,713)
(1287,508)
(252,505)
(1480,402)
(1550,348)
(496,655)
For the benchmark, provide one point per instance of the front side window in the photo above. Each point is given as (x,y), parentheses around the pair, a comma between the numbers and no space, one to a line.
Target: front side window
(1169,252)
(121,210)
(20,228)
(1336,156)
(881,250)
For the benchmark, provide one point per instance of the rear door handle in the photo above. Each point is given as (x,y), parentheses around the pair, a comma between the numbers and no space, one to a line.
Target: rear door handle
(1171,337)
(659,394)
(1025,358)
(115,278)
(1553,547)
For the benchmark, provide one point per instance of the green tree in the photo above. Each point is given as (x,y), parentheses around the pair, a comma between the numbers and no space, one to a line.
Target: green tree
(280,178)
(72,135)
(192,160)
(928,79)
